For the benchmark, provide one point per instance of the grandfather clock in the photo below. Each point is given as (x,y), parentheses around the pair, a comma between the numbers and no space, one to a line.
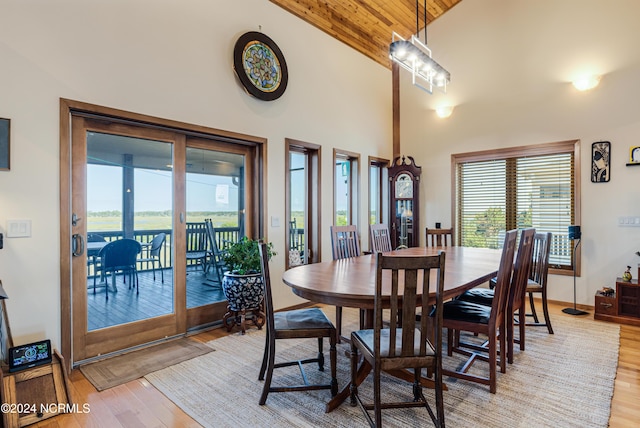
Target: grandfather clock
(404,185)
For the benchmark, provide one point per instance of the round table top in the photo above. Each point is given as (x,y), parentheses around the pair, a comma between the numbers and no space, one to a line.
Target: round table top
(351,282)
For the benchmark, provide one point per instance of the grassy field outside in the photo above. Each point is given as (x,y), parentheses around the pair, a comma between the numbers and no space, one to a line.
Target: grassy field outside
(112,220)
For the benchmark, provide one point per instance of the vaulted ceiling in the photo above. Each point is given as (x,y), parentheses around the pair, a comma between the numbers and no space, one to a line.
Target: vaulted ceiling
(367,25)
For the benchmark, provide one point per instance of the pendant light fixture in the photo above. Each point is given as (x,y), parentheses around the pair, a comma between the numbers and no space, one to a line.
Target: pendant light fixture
(415,57)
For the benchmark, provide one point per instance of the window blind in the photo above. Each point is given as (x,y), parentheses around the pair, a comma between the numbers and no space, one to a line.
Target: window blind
(497,195)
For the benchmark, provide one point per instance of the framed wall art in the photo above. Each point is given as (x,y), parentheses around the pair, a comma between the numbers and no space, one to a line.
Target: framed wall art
(5,133)
(260,66)
(634,155)
(601,162)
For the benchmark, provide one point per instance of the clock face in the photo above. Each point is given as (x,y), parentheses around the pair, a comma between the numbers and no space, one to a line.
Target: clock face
(404,186)
(260,66)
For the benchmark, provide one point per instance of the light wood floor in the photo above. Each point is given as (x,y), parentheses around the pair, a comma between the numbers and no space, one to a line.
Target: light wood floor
(138,404)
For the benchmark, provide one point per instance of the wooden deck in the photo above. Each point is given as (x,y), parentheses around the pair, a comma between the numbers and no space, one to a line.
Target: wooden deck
(154,298)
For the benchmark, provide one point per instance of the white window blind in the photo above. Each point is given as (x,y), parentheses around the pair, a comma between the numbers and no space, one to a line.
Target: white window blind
(497,195)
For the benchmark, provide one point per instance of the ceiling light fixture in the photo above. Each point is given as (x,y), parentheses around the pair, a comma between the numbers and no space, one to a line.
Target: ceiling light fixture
(415,57)
(587,82)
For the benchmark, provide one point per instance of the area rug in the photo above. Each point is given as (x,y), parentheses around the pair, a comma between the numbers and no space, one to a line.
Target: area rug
(123,368)
(560,380)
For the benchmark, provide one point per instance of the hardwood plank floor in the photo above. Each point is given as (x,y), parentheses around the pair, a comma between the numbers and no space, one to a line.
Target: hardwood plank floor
(138,404)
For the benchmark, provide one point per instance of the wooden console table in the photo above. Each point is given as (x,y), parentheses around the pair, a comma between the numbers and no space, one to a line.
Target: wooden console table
(622,307)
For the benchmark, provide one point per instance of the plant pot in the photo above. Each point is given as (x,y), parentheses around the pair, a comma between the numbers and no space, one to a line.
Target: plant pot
(243,292)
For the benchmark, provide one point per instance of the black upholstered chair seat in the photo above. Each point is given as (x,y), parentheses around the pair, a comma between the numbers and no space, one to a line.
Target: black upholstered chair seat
(460,310)
(301,319)
(366,338)
(481,296)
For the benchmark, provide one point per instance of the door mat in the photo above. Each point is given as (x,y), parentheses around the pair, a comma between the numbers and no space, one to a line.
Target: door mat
(123,368)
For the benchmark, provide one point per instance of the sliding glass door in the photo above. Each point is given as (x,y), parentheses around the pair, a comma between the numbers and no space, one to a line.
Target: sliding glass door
(142,210)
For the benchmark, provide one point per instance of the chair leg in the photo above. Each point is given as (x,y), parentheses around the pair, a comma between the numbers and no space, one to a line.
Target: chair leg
(338,324)
(320,355)
(522,324)
(545,310)
(533,308)
(503,357)
(161,271)
(265,357)
(333,361)
(438,394)
(377,402)
(269,376)
(492,364)
(354,378)
(510,334)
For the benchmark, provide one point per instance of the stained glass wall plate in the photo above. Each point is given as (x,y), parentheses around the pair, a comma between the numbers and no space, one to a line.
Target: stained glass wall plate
(260,66)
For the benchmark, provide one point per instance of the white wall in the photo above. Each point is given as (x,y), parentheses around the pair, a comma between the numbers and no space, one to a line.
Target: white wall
(511,62)
(170,59)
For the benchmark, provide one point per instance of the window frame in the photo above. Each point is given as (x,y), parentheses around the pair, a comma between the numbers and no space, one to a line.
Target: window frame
(382,199)
(312,203)
(561,147)
(353,209)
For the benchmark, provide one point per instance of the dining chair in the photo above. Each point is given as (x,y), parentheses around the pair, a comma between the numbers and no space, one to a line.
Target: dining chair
(439,237)
(305,323)
(215,260)
(460,315)
(120,255)
(403,345)
(515,303)
(153,253)
(380,238)
(197,244)
(344,244)
(538,278)
(93,259)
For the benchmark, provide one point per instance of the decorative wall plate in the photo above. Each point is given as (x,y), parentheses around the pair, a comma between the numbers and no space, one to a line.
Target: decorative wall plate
(260,66)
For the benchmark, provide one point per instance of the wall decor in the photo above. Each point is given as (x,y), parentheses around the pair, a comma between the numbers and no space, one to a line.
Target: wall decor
(5,133)
(634,155)
(600,162)
(260,66)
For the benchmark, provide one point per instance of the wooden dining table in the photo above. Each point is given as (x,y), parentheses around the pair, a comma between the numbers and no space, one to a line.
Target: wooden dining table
(351,283)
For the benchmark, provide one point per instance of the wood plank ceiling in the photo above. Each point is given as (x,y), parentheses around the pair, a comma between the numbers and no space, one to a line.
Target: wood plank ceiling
(367,25)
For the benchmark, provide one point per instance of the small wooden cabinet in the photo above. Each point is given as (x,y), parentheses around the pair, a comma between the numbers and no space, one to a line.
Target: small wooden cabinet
(628,293)
(622,307)
(605,305)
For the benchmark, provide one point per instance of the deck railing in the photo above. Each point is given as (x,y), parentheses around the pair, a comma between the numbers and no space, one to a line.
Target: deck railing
(194,242)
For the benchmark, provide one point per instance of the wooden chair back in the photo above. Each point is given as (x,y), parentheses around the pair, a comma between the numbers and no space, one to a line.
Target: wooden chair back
(540,258)
(344,242)
(268,295)
(380,238)
(521,270)
(518,291)
(503,280)
(410,279)
(215,255)
(439,237)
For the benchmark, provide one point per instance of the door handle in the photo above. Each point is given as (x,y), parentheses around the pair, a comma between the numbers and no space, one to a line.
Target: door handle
(77,245)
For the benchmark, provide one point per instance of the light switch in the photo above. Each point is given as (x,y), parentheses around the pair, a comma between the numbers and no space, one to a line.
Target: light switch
(275,221)
(18,228)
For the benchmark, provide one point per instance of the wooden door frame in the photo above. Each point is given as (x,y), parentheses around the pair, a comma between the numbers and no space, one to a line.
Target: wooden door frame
(70,108)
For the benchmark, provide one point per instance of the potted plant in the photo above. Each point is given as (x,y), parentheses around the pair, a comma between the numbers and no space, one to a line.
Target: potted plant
(242,282)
